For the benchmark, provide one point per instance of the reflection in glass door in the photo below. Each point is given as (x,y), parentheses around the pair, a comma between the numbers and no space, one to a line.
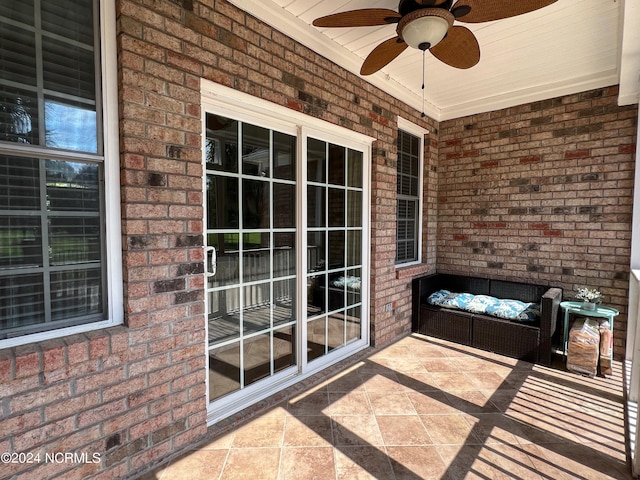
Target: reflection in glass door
(251,253)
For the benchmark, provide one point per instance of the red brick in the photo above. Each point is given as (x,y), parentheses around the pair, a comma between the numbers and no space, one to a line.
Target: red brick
(185,381)
(147,334)
(167,344)
(66,406)
(539,226)
(81,441)
(627,148)
(119,340)
(97,380)
(128,417)
(29,439)
(53,354)
(98,344)
(148,365)
(69,372)
(6,366)
(38,398)
(144,396)
(124,388)
(77,349)
(150,425)
(46,470)
(151,455)
(182,354)
(294,105)
(190,437)
(578,154)
(27,361)
(20,423)
(100,413)
(169,372)
(168,403)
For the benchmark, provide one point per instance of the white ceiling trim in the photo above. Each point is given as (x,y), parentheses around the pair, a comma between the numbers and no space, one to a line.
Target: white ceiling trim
(533,94)
(270,13)
(626,71)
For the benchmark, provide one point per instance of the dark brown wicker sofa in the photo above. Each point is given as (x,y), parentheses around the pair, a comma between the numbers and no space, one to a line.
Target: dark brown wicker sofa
(530,341)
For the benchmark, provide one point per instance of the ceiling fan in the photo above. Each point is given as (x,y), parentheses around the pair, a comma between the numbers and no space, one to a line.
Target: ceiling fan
(428,25)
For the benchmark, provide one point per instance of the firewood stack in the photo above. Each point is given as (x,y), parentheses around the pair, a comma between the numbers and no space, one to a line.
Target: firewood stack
(584,347)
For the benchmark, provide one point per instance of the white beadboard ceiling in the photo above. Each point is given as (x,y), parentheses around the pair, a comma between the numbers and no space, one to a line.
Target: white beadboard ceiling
(568,47)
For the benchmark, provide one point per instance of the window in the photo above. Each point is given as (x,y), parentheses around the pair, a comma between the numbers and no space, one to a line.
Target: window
(409,191)
(53,188)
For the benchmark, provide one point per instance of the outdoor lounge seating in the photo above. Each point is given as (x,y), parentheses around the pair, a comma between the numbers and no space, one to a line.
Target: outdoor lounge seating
(521,327)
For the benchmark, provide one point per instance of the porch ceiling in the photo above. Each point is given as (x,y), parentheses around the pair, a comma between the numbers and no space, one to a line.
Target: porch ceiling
(568,47)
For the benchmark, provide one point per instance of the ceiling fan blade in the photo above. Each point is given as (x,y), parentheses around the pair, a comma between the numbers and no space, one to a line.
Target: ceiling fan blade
(488,10)
(382,55)
(366,17)
(459,48)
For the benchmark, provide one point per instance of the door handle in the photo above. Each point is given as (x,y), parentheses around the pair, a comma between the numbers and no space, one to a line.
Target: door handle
(214,261)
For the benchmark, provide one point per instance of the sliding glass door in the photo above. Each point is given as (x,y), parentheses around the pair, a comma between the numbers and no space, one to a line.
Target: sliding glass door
(284,216)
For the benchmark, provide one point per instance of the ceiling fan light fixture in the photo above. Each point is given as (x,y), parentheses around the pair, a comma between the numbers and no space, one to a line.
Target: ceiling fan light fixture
(425,28)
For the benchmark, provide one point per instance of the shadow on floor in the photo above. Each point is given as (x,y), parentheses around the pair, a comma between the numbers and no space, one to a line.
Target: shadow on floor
(424,408)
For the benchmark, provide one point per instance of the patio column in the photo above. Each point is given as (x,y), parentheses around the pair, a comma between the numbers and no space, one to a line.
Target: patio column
(633,326)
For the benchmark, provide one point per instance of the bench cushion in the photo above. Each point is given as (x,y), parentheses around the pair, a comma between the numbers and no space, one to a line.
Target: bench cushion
(484,304)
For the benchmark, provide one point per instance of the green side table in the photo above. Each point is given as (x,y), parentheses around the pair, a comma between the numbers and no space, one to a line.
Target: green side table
(577,308)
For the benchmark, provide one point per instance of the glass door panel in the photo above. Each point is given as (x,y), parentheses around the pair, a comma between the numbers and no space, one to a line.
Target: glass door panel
(224,370)
(353,324)
(334,247)
(224,259)
(223,202)
(255,150)
(224,315)
(255,204)
(316,160)
(284,348)
(257,358)
(284,156)
(221,146)
(337,165)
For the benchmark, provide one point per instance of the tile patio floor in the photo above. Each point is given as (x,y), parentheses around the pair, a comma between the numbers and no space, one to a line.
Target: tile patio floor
(423,408)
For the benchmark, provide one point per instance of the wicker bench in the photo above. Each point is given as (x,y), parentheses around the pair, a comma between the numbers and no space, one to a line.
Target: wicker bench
(530,341)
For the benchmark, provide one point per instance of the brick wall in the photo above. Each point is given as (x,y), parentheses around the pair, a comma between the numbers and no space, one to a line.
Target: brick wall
(542,192)
(135,394)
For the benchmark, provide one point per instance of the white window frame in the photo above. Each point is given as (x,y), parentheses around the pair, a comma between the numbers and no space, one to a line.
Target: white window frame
(112,219)
(421,133)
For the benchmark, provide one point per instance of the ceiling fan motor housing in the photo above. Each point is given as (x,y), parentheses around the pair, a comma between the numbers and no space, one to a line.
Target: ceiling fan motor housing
(425,28)
(408,6)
